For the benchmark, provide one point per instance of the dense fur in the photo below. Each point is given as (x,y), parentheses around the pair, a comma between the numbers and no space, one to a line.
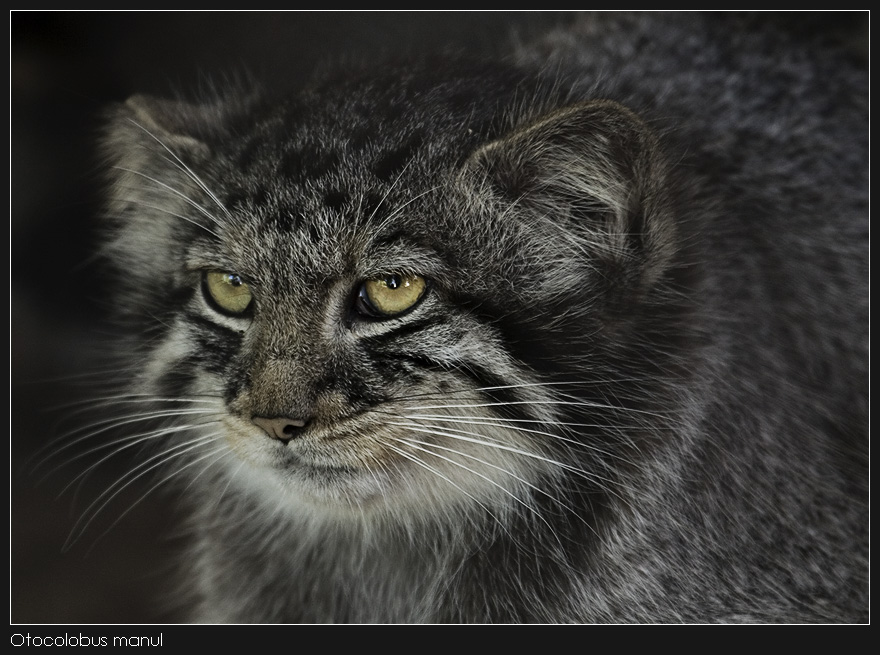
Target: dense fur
(635,388)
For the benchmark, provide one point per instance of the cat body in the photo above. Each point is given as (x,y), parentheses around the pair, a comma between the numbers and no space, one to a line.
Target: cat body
(578,336)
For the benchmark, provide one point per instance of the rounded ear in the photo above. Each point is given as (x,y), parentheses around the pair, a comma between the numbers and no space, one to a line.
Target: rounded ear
(147,134)
(591,166)
(155,152)
(172,119)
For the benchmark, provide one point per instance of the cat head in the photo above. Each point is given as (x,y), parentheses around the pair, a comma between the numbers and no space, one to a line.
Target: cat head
(397,296)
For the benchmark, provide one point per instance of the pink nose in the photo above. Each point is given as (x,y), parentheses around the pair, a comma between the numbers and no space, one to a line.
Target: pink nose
(282,428)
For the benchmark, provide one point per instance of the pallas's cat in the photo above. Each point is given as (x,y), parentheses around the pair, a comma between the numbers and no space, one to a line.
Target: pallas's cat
(577,335)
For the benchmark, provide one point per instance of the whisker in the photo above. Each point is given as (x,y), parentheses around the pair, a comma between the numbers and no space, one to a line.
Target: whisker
(105,425)
(119,446)
(165,210)
(388,192)
(92,403)
(553,385)
(510,424)
(397,210)
(199,208)
(534,488)
(219,451)
(431,469)
(129,478)
(479,439)
(182,166)
(568,403)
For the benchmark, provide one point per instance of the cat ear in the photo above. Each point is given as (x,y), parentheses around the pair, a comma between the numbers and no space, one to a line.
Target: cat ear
(592,166)
(157,189)
(145,128)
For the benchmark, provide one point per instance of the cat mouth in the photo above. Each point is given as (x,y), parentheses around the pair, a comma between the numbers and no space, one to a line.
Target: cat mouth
(365,460)
(342,448)
(330,474)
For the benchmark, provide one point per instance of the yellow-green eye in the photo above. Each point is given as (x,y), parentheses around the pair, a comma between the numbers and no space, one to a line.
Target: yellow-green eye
(390,295)
(228,292)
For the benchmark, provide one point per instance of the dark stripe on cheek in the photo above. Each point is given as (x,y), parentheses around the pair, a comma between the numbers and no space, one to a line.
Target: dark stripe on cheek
(178,382)
(494,388)
(497,389)
(162,308)
(405,367)
(525,334)
(386,339)
(217,346)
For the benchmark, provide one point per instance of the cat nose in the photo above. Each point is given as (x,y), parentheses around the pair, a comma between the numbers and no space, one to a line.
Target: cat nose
(282,428)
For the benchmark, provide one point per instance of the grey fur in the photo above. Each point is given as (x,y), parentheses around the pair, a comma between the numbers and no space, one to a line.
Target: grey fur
(635,390)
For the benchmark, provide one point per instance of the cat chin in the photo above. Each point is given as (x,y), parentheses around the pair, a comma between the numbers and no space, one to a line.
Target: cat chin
(333,482)
(302,476)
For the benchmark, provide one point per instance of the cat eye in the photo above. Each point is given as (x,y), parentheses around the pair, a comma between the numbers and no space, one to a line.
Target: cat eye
(390,295)
(228,292)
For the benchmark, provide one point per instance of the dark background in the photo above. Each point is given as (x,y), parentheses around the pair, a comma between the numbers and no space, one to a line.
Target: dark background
(66,67)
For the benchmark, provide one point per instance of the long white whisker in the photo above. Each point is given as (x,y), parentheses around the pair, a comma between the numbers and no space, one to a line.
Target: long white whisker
(579,403)
(511,424)
(119,446)
(427,467)
(397,210)
(388,193)
(106,425)
(219,452)
(145,467)
(181,195)
(182,166)
(415,443)
(182,217)
(507,424)
(477,438)
(126,398)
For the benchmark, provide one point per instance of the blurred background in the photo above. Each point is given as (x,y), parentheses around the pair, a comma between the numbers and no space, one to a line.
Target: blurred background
(65,68)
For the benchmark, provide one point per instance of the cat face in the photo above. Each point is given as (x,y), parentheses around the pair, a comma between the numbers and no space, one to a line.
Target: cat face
(362,315)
